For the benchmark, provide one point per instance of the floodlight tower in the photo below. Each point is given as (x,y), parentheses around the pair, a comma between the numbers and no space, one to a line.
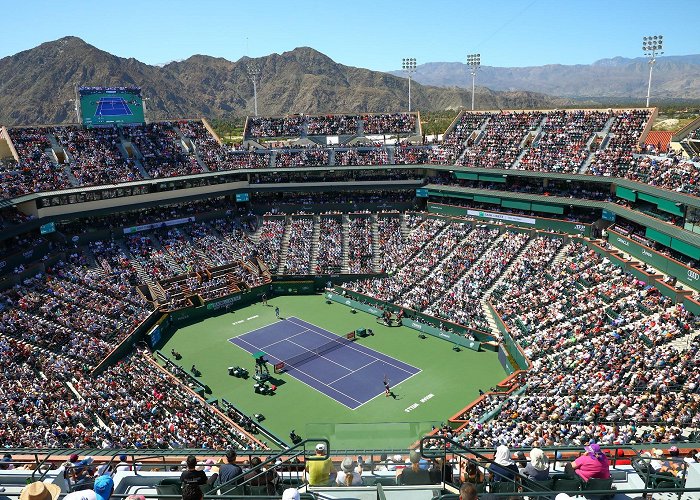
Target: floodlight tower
(253,69)
(473,61)
(409,66)
(652,46)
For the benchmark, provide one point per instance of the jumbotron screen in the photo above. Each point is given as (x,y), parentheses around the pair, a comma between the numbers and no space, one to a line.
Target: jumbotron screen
(110,105)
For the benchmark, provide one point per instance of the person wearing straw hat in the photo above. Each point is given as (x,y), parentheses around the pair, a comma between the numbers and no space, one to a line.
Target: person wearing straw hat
(592,464)
(538,467)
(40,491)
(349,475)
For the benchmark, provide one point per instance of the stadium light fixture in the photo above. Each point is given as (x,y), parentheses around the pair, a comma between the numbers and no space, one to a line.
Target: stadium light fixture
(652,46)
(254,70)
(408,64)
(473,61)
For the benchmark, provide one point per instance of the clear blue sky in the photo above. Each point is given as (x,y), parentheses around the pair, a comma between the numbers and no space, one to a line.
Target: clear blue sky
(371,34)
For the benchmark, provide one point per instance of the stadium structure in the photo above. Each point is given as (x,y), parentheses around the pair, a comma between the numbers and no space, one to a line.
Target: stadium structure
(562,242)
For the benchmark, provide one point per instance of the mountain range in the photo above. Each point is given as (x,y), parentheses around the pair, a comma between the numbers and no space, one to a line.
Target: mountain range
(37,86)
(674,78)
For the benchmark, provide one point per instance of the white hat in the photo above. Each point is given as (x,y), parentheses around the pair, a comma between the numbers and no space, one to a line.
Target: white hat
(397,458)
(563,496)
(290,494)
(320,447)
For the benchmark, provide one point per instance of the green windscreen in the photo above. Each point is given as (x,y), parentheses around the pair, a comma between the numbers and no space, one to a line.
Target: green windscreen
(521,205)
(627,194)
(685,248)
(467,175)
(386,435)
(550,209)
(670,207)
(658,236)
(487,199)
(492,178)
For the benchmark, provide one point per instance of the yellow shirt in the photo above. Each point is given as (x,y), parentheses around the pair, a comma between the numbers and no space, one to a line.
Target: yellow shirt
(319,472)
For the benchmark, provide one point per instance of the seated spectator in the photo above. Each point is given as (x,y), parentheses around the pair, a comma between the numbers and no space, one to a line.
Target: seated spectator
(40,491)
(414,474)
(441,471)
(503,468)
(592,464)
(349,475)
(261,477)
(319,472)
(538,467)
(471,473)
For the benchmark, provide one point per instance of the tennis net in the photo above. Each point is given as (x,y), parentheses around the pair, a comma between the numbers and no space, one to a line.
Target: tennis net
(310,354)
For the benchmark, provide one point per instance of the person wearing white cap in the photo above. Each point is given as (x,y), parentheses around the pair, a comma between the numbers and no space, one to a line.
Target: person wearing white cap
(290,494)
(319,470)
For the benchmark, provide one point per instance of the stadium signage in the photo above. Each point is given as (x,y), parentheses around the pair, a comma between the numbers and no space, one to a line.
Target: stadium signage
(223,303)
(692,275)
(156,225)
(511,218)
(647,253)
(624,242)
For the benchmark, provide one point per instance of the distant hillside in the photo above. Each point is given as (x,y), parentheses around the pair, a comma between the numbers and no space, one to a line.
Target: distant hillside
(36,86)
(675,78)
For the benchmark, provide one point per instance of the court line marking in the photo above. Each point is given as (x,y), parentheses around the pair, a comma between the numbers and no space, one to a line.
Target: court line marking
(333,389)
(317,355)
(255,330)
(354,371)
(286,339)
(382,392)
(350,346)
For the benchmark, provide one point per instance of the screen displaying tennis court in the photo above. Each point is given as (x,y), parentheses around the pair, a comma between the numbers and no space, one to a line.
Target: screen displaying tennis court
(110,106)
(349,373)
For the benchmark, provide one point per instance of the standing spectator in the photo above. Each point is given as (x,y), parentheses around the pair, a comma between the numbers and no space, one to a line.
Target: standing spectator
(592,464)
(230,470)
(191,491)
(319,472)
(194,476)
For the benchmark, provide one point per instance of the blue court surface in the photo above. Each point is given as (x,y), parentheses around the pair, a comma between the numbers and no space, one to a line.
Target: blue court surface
(112,106)
(352,374)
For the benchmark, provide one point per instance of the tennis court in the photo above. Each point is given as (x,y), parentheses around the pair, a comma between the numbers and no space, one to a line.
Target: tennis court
(112,106)
(350,373)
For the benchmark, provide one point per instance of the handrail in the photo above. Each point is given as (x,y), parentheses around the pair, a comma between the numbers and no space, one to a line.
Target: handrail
(289,454)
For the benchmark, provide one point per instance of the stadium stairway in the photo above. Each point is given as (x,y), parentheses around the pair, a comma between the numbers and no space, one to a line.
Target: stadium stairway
(345,261)
(284,246)
(376,259)
(683,343)
(315,243)
(144,277)
(516,163)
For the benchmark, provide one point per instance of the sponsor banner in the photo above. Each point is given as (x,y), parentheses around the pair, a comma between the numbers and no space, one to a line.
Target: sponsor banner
(213,306)
(497,216)
(374,311)
(445,335)
(156,225)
